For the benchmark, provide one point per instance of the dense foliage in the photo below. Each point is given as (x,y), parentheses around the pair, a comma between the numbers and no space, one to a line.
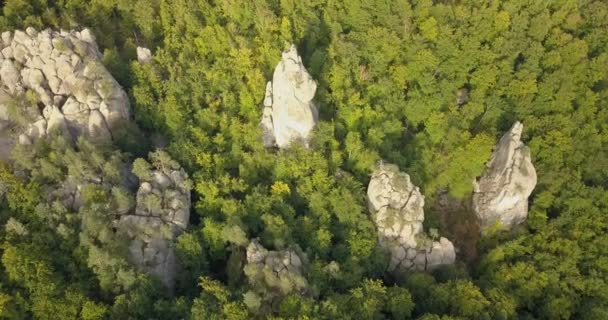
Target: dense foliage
(389,74)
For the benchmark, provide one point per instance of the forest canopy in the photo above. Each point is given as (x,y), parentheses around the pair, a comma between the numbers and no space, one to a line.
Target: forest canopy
(429,86)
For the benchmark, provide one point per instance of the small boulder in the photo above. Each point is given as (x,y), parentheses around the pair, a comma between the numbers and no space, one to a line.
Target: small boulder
(144,55)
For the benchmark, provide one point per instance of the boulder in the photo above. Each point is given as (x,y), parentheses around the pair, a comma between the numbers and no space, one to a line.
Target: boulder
(144,55)
(396,206)
(289,112)
(161,214)
(462,96)
(500,194)
(65,71)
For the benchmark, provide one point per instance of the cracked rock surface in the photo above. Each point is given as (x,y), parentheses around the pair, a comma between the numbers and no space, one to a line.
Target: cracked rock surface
(289,113)
(501,193)
(396,205)
(278,270)
(162,213)
(76,93)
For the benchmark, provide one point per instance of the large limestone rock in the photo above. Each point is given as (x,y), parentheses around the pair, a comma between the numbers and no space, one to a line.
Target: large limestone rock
(501,193)
(289,112)
(162,213)
(76,93)
(396,206)
(278,271)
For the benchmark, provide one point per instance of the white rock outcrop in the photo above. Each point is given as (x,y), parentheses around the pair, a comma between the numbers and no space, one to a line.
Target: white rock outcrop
(144,55)
(279,271)
(289,113)
(501,193)
(396,206)
(162,213)
(76,93)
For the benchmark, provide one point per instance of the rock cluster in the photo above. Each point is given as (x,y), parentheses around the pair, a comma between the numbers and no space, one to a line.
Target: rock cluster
(289,112)
(162,213)
(76,93)
(501,193)
(277,270)
(396,206)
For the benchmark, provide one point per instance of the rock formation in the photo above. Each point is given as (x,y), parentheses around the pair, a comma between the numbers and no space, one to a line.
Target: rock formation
(462,96)
(75,91)
(289,113)
(161,214)
(276,270)
(144,55)
(501,193)
(396,206)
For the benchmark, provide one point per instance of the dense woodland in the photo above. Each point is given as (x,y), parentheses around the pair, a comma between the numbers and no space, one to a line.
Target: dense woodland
(388,73)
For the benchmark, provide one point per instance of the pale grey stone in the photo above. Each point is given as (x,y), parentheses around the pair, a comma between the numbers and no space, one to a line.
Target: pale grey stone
(56,119)
(144,55)
(501,193)
(396,206)
(268,95)
(161,180)
(7,53)
(10,76)
(87,35)
(290,114)
(51,65)
(31,32)
(97,126)
(7,38)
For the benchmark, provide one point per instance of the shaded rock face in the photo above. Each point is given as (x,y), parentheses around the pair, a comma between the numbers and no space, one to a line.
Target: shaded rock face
(501,193)
(278,270)
(162,213)
(76,93)
(289,113)
(396,206)
(6,141)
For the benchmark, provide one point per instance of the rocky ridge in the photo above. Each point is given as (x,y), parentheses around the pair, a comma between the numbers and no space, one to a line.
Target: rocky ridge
(289,113)
(396,206)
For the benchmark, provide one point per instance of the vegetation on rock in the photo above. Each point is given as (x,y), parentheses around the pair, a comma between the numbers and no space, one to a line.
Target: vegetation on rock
(429,86)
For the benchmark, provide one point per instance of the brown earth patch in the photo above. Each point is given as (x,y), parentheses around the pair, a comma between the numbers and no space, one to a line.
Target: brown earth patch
(459,224)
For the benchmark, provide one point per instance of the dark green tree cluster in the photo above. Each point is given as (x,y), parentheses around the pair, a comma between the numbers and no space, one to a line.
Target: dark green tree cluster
(427,85)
